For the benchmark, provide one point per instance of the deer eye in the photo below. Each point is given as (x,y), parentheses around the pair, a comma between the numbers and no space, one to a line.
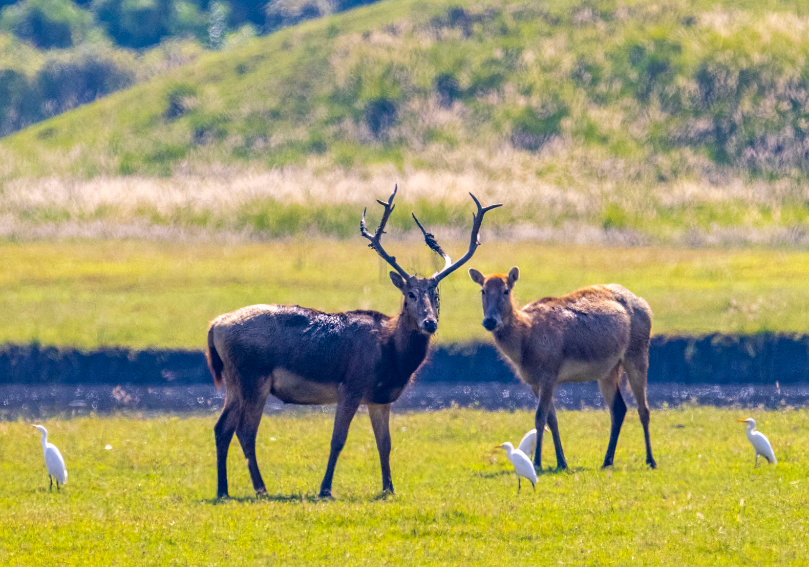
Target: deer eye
(412,295)
(483,292)
(506,292)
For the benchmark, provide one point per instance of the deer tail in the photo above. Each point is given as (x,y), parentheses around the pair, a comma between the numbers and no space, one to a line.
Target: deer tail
(214,361)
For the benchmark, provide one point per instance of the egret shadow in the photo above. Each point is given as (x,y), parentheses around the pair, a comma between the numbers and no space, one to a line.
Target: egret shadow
(495,474)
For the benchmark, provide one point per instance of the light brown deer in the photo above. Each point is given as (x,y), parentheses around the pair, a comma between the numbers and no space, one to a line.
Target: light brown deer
(304,356)
(588,335)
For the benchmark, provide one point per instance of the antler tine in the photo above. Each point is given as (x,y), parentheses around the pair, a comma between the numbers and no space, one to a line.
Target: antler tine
(375,239)
(474,240)
(430,240)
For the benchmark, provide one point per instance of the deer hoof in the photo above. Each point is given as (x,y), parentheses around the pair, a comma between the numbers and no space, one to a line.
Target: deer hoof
(652,464)
(325,494)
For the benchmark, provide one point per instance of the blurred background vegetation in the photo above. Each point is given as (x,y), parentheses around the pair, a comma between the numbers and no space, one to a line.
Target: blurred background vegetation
(643,121)
(669,121)
(58,54)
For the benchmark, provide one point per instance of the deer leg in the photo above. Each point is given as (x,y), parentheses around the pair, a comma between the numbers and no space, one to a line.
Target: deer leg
(246,432)
(223,432)
(611,390)
(543,409)
(380,421)
(346,408)
(636,373)
(553,425)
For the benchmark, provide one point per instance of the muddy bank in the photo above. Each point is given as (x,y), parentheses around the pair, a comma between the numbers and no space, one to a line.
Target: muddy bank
(709,359)
(42,402)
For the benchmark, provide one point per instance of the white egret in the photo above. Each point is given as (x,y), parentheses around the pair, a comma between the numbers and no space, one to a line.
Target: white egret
(53,460)
(528,445)
(760,443)
(522,464)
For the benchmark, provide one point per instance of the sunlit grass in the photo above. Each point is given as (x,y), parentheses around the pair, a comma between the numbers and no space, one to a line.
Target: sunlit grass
(148,499)
(140,294)
(297,201)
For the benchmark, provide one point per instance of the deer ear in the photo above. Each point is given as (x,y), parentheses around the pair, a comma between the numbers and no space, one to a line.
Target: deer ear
(398,281)
(476,276)
(513,276)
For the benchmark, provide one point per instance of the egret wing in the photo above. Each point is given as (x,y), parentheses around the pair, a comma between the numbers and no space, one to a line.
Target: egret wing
(523,465)
(763,447)
(528,445)
(55,464)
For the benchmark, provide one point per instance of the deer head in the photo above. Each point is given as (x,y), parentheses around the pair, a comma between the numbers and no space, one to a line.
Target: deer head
(421,294)
(496,294)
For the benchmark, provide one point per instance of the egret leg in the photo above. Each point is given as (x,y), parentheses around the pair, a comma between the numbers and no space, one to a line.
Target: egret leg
(57,486)
(534,486)
(51,479)
(755,466)
(519,486)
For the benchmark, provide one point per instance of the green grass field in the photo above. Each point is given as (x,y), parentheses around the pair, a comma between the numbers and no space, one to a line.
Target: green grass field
(148,499)
(140,294)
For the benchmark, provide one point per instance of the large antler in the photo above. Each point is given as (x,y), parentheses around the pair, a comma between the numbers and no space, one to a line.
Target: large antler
(474,242)
(375,244)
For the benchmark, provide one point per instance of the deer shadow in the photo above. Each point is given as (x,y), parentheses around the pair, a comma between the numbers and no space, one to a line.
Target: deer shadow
(295,498)
(551,471)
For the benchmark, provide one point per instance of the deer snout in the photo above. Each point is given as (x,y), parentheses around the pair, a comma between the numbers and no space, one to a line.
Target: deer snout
(490,323)
(430,326)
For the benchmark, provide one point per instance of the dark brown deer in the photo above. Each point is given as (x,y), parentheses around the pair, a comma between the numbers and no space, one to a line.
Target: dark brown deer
(588,335)
(304,356)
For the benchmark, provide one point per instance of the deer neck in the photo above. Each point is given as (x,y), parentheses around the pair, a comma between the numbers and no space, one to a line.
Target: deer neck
(409,346)
(511,334)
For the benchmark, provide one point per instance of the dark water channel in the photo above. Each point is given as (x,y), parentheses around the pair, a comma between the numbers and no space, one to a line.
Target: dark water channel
(21,401)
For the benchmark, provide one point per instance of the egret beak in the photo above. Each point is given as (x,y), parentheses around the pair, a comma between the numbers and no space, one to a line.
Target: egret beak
(742,421)
(498,446)
(547,429)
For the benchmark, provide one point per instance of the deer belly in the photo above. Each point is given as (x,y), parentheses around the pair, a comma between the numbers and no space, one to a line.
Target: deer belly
(291,388)
(585,371)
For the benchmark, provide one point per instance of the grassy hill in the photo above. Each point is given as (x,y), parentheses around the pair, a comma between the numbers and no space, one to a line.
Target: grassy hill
(656,117)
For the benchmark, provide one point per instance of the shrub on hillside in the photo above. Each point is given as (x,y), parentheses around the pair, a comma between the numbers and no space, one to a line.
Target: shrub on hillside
(47,23)
(57,87)
(380,115)
(135,24)
(447,88)
(531,128)
(290,12)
